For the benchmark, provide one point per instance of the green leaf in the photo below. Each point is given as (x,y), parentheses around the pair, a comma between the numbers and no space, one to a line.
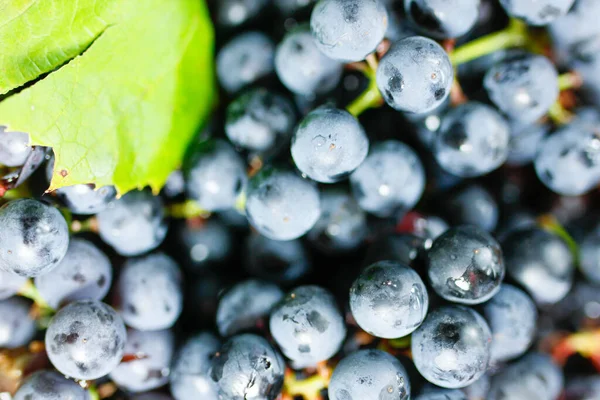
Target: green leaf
(129,84)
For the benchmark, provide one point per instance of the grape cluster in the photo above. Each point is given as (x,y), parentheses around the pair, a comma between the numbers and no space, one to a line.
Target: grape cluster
(393,200)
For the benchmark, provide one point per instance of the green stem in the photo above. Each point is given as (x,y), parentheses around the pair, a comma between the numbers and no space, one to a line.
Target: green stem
(93,393)
(187,209)
(370,98)
(569,80)
(31,292)
(551,224)
(514,35)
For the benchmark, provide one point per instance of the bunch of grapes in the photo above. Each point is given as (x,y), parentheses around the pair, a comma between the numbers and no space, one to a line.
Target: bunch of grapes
(395,199)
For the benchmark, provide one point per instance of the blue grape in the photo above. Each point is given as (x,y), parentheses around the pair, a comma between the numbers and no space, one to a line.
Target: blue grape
(244,304)
(308,326)
(577,26)
(403,248)
(568,162)
(583,388)
(512,317)
(348,30)
(329,144)
(441,394)
(274,260)
(369,374)
(175,184)
(590,257)
(244,59)
(151,396)
(390,179)
(443,19)
(537,12)
(415,75)
(149,292)
(523,87)
(472,141)
(525,142)
(50,385)
(17,327)
(33,237)
(260,121)
(10,284)
(282,205)
(301,66)
(473,205)
(133,224)
(533,377)
(215,175)
(14,148)
(389,300)
(84,273)
(85,200)
(233,13)
(204,245)
(86,339)
(248,367)
(479,389)
(541,262)
(451,348)
(342,225)
(465,265)
(154,351)
(190,372)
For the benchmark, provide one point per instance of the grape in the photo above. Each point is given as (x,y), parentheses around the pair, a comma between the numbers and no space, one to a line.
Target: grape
(33,237)
(276,261)
(248,367)
(415,75)
(84,273)
(589,252)
(329,144)
(568,162)
(389,300)
(10,284)
(301,66)
(190,378)
(50,385)
(85,200)
(342,225)
(512,317)
(215,175)
(237,12)
(584,388)
(150,369)
(259,120)
(479,389)
(533,377)
(391,179)
(443,19)
(537,12)
(281,205)
(86,339)
(133,224)
(523,87)
(472,141)
(175,184)
(369,374)
(473,205)
(348,30)
(244,304)
(441,394)
(204,245)
(541,262)
(525,142)
(452,347)
(307,326)
(149,292)
(17,327)
(465,265)
(14,148)
(244,59)
(577,26)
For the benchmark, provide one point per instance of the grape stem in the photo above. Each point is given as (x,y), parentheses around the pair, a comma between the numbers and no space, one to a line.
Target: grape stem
(569,80)
(187,210)
(559,115)
(549,223)
(371,97)
(514,35)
